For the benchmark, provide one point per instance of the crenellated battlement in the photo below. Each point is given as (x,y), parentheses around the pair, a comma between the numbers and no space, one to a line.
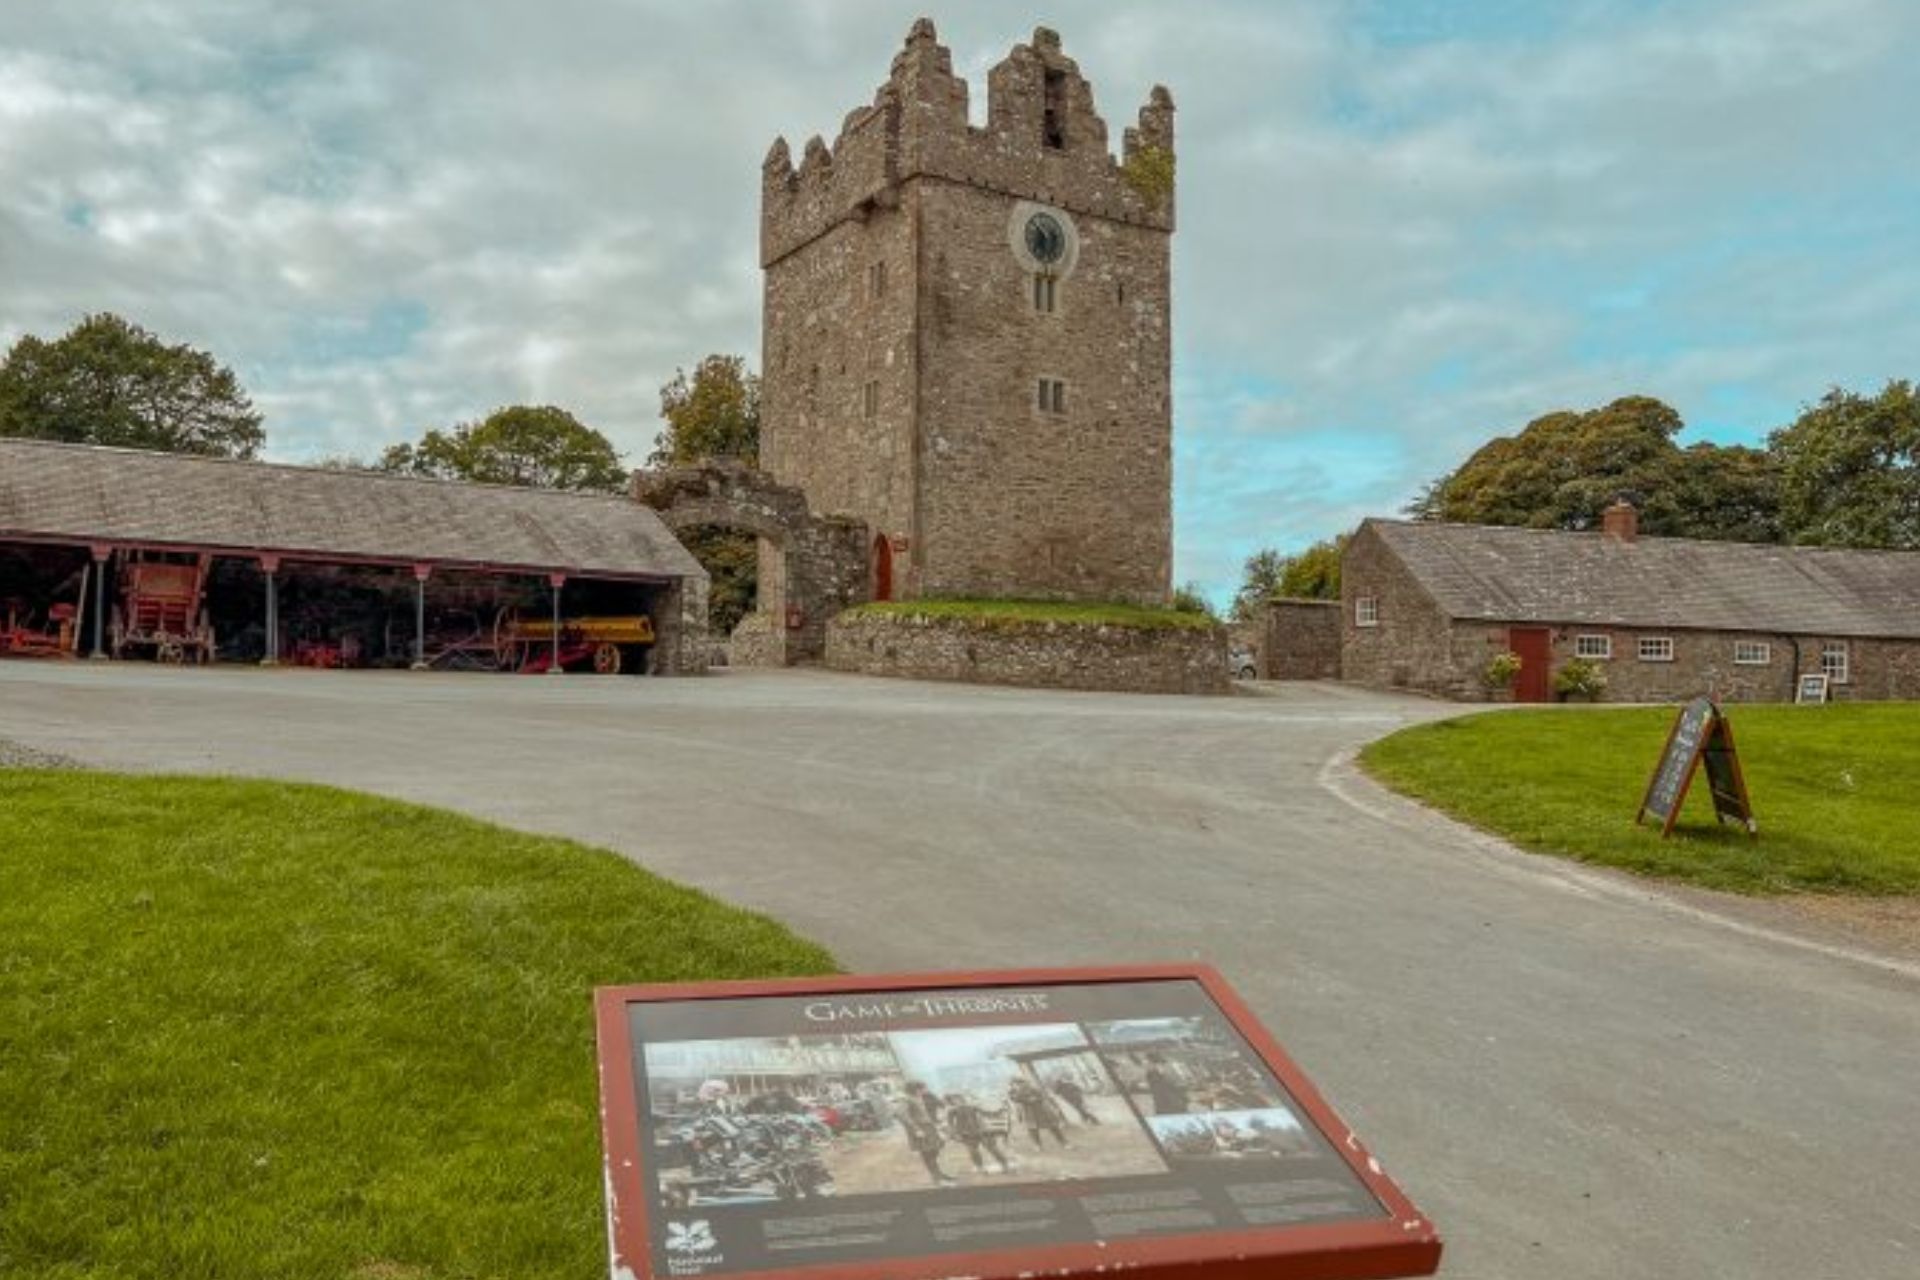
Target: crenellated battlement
(1044,140)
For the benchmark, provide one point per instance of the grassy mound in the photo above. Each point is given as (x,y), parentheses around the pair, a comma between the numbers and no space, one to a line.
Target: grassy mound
(1025,612)
(1832,788)
(250,1029)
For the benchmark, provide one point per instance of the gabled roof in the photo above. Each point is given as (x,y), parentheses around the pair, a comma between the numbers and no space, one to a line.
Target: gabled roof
(1491,574)
(84,493)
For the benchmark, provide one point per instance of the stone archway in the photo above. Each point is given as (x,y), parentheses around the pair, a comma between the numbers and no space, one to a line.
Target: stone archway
(811,567)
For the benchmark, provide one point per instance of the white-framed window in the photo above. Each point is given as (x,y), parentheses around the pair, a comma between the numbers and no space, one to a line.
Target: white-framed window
(870,400)
(1052,395)
(1593,647)
(1752,653)
(1366,611)
(1046,293)
(1656,648)
(877,280)
(1833,661)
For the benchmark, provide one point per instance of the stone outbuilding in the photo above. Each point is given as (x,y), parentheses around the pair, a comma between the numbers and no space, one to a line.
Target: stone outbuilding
(1426,606)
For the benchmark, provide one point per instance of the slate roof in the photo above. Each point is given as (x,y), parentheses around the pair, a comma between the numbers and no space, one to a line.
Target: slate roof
(90,494)
(1484,573)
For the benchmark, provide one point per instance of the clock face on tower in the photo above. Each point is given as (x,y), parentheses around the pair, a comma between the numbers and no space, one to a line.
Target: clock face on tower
(1046,239)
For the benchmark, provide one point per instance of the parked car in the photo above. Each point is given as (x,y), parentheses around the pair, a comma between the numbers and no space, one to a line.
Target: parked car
(1241,664)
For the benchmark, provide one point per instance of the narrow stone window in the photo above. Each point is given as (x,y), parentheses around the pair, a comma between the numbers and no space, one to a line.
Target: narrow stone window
(1052,395)
(1053,120)
(1045,293)
(1366,611)
(870,400)
(877,280)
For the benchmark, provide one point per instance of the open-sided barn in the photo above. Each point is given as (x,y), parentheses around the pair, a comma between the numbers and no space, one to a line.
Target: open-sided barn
(123,552)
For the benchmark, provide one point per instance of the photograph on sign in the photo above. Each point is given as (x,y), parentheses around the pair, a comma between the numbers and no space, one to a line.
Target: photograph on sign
(1813,687)
(788,1131)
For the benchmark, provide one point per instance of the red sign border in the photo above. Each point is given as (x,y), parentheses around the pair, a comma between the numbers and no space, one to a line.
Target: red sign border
(1403,1243)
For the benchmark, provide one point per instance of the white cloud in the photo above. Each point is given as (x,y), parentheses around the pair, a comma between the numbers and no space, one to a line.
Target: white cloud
(391,216)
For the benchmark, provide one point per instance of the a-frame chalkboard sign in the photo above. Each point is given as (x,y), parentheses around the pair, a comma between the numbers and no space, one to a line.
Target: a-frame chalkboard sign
(1701,733)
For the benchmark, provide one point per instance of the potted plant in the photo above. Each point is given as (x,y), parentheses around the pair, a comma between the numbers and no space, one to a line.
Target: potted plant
(1499,672)
(1580,681)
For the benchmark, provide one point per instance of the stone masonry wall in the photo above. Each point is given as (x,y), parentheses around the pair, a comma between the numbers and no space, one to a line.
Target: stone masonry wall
(1035,654)
(811,567)
(911,404)
(1302,640)
(1415,647)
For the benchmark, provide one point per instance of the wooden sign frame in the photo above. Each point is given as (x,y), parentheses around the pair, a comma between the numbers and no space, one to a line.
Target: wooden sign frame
(1812,679)
(1397,1241)
(1714,747)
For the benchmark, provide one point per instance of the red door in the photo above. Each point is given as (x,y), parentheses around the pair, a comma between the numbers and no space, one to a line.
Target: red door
(1534,647)
(882,568)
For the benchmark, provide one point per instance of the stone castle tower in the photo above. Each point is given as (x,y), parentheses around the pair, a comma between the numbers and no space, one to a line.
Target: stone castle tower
(967,340)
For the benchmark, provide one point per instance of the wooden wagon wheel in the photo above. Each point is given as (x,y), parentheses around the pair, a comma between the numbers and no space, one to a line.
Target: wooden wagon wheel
(117,632)
(170,651)
(606,658)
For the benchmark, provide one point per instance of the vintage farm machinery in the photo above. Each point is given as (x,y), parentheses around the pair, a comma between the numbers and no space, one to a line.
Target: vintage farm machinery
(465,640)
(160,608)
(607,645)
(19,638)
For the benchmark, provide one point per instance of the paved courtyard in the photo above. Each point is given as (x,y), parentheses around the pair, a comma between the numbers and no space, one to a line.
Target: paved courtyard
(1576,1076)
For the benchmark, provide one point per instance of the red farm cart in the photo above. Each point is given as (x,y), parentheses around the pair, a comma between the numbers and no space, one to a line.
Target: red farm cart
(160,609)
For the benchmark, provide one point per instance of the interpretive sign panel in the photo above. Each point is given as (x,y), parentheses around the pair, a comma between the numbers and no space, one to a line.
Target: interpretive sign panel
(1813,687)
(986,1125)
(1701,733)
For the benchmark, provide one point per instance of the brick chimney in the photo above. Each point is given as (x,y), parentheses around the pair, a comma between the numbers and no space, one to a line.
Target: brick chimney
(1620,521)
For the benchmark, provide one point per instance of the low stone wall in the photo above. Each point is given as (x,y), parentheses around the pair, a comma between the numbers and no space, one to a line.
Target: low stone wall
(760,640)
(1302,640)
(1045,655)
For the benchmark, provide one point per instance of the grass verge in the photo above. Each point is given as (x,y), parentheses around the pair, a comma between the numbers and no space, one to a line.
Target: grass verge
(251,1029)
(1833,789)
(1015,612)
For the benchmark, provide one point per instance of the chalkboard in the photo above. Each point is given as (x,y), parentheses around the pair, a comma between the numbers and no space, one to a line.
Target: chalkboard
(1813,687)
(1701,733)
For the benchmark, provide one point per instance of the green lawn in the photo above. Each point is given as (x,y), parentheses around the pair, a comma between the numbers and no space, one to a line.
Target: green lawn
(989,612)
(1836,791)
(250,1029)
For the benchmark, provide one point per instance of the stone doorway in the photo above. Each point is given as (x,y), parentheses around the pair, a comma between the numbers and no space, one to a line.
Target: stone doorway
(882,567)
(1534,647)
(810,567)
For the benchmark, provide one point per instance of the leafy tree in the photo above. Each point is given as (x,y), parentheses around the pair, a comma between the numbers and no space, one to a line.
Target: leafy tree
(1259,582)
(1562,470)
(1314,574)
(713,414)
(109,381)
(1850,469)
(1189,598)
(539,447)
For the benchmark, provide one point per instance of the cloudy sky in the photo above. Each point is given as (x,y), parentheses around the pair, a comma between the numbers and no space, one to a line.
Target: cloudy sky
(1406,225)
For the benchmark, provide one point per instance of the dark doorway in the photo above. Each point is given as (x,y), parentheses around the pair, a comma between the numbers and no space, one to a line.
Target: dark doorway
(882,568)
(1534,647)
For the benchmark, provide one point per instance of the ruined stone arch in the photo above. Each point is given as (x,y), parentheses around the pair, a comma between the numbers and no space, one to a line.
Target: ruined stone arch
(811,567)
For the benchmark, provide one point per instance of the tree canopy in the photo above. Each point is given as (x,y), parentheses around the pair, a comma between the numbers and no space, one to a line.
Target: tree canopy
(109,381)
(1845,473)
(541,447)
(1312,574)
(715,413)
(1850,469)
